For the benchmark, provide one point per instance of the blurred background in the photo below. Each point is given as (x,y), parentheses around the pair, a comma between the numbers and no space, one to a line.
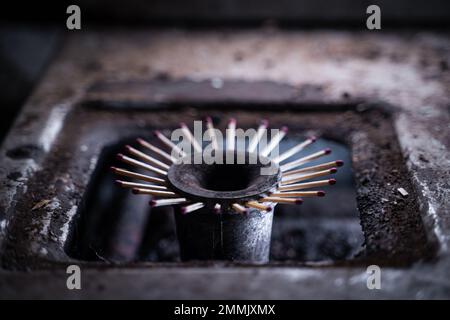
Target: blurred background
(32,32)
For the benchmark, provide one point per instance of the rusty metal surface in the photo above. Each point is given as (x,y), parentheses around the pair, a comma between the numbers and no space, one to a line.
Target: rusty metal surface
(408,71)
(228,236)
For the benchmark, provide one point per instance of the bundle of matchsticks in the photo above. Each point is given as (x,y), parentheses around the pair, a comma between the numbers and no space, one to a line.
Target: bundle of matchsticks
(295,176)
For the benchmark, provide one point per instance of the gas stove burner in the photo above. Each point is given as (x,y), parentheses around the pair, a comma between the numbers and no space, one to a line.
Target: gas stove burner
(176,179)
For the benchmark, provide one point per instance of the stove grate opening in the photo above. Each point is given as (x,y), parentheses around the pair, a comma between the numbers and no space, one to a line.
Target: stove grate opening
(321,230)
(116,226)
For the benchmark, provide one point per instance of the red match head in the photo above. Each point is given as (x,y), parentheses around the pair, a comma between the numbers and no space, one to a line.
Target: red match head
(298,201)
(265,122)
(152,203)
(313,138)
(339,163)
(333,170)
(327,151)
(284,129)
(320,193)
(113,169)
(119,156)
(135,191)
(156,132)
(332,181)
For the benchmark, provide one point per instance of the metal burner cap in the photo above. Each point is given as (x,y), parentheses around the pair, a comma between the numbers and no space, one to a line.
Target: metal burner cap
(240,176)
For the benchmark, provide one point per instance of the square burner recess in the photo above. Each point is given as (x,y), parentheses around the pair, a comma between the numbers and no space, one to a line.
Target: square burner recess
(75,214)
(53,214)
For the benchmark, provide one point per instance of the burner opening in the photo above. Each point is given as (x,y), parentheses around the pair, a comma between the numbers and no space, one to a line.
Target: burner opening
(240,176)
(320,230)
(228,177)
(115,225)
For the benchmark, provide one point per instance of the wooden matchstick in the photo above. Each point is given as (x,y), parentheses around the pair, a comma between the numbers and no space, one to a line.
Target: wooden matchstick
(166,202)
(192,207)
(298,194)
(274,141)
(307,185)
(231,134)
(281,200)
(294,150)
(140,164)
(298,162)
(155,192)
(127,184)
(319,167)
(156,150)
(255,140)
(138,176)
(259,206)
(169,143)
(217,208)
(212,133)
(239,208)
(146,157)
(308,176)
(190,137)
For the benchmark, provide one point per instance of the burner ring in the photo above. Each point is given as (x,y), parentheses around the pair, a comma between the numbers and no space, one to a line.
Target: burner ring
(224,182)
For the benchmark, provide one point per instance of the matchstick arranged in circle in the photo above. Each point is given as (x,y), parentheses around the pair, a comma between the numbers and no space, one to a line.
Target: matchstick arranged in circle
(296,176)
